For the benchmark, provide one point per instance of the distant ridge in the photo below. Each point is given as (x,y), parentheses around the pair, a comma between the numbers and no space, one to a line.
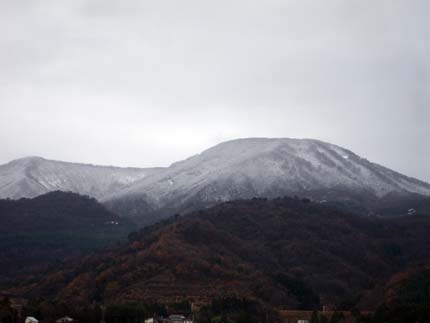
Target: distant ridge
(242,168)
(33,176)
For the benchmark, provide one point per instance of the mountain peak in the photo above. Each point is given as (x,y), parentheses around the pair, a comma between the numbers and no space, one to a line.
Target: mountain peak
(28,159)
(264,167)
(241,168)
(262,145)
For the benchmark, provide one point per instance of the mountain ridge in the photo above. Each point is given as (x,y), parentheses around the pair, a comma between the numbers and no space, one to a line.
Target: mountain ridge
(264,167)
(32,176)
(241,168)
(274,143)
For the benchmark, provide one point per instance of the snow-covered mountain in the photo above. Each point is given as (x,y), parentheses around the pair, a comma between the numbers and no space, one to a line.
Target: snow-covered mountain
(33,176)
(243,168)
(260,167)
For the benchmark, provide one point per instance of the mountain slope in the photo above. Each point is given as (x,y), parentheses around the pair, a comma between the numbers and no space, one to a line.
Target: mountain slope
(43,231)
(259,167)
(244,168)
(285,252)
(33,176)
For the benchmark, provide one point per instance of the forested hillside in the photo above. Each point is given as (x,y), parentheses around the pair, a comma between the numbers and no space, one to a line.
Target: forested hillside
(285,252)
(42,232)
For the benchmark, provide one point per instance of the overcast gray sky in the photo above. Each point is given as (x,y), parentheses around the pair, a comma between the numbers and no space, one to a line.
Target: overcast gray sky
(146,83)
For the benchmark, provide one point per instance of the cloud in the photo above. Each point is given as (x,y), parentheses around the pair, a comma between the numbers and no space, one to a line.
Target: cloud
(148,82)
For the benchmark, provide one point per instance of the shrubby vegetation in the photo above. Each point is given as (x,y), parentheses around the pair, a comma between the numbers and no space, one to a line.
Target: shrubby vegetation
(235,310)
(7,313)
(49,311)
(306,296)
(408,298)
(219,310)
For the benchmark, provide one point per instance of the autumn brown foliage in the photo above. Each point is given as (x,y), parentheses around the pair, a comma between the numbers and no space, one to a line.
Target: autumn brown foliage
(285,252)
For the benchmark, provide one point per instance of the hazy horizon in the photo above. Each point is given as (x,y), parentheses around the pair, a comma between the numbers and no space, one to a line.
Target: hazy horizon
(145,83)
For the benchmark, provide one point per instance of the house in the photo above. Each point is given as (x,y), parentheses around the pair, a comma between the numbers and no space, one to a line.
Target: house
(65,319)
(291,316)
(31,319)
(176,319)
(297,316)
(171,319)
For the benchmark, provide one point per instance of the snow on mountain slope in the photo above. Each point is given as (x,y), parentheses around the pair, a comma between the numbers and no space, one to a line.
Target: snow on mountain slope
(265,167)
(243,168)
(32,176)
